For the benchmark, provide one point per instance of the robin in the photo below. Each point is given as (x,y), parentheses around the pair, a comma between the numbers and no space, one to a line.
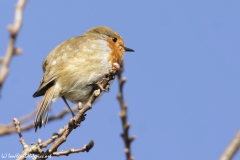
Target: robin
(72,68)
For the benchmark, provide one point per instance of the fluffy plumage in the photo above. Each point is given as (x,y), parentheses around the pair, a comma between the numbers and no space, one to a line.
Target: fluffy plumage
(72,67)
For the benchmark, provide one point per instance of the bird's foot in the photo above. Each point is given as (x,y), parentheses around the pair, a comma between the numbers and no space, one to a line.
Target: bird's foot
(106,89)
(98,85)
(74,124)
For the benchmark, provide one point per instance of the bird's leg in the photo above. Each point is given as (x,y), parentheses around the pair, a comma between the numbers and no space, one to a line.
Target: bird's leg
(99,85)
(65,101)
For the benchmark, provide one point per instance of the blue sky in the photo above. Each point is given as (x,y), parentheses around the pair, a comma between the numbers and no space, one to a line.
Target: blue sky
(182,88)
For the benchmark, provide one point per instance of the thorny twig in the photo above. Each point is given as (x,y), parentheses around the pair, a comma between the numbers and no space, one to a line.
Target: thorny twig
(11,50)
(123,114)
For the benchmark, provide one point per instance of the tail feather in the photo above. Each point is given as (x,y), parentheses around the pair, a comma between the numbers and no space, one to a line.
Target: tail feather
(42,116)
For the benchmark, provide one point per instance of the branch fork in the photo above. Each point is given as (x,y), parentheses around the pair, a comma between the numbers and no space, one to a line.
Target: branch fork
(59,138)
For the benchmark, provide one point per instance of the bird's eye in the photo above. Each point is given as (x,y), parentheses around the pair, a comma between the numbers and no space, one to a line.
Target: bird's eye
(114,39)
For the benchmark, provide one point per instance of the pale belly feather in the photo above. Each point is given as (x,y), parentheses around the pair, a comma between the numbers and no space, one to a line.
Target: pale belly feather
(78,88)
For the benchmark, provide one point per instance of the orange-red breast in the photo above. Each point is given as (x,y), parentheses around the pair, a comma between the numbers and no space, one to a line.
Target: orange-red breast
(71,69)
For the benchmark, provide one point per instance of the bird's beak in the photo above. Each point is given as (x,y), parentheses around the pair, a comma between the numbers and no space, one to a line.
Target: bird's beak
(128,49)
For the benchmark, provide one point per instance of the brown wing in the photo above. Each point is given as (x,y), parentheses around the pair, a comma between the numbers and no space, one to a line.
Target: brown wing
(56,58)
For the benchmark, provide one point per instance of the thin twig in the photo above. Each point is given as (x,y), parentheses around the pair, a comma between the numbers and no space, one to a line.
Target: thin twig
(26,149)
(85,148)
(17,126)
(52,138)
(232,148)
(27,117)
(9,129)
(123,114)
(11,50)
(78,118)
(59,138)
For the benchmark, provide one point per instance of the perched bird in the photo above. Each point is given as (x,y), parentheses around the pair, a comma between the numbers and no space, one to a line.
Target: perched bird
(73,67)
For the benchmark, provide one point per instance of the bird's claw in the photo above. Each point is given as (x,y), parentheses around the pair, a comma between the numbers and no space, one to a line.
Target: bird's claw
(98,85)
(83,118)
(73,123)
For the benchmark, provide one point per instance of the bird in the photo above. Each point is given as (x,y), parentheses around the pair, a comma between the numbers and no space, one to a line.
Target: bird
(73,67)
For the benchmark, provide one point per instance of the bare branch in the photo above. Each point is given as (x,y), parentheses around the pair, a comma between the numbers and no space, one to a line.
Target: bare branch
(52,138)
(123,114)
(9,129)
(11,50)
(26,149)
(59,138)
(17,126)
(85,148)
(27,117)
(232,148)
